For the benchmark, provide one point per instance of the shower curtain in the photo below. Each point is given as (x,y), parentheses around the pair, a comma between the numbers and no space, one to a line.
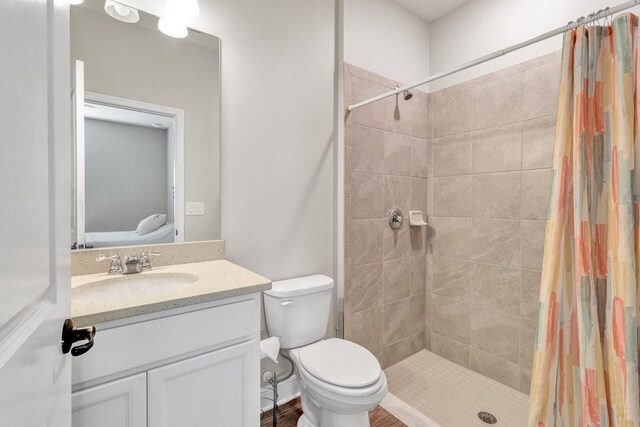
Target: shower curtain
(585,369)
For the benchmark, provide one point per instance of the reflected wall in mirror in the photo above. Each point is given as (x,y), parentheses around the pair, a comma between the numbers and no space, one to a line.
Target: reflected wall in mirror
(146,161)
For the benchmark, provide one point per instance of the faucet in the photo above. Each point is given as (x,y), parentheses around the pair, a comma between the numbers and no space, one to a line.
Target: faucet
(116,263)
(135,264)
(132,264)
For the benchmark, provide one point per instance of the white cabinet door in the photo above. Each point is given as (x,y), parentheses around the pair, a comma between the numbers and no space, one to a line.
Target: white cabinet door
(121,403)
(215,389)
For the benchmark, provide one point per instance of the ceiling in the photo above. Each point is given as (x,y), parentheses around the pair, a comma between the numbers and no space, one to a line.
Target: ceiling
(122,115)
(430,10)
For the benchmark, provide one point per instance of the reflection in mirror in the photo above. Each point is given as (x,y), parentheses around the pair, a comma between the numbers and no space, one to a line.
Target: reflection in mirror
(146,161)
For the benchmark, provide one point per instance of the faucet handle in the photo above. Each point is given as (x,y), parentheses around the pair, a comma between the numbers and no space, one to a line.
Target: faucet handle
(116,263)
(144,258)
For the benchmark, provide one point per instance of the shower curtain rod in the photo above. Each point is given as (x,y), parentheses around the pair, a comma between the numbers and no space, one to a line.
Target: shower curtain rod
(571,25)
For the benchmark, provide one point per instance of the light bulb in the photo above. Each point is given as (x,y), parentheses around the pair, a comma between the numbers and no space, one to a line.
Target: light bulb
(183,9)
(172,28)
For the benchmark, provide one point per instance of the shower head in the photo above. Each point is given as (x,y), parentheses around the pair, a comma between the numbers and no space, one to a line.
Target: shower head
(406,94)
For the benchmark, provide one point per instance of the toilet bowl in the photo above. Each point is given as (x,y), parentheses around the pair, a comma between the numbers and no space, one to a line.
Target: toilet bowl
(340,381)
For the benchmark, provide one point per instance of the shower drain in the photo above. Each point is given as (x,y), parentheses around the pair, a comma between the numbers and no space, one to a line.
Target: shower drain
(487,417)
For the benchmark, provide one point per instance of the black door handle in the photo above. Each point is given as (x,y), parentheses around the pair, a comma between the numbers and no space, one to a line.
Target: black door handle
(71,335)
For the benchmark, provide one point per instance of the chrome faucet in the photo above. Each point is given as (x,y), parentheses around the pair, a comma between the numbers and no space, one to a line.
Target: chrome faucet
(116,263)
(135,264)
(132,264)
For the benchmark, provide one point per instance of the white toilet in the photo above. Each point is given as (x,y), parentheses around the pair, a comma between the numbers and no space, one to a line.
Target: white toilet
(340,381)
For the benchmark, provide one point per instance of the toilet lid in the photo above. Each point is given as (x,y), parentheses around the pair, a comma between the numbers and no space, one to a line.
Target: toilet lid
(340,362)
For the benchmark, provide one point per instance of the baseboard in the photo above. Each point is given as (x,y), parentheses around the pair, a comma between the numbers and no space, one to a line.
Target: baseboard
(287,391)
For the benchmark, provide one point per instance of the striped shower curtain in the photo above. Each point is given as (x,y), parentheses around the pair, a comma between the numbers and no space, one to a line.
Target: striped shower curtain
(585,369)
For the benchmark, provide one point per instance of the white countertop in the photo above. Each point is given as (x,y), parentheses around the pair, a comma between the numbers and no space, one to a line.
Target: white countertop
(216,280)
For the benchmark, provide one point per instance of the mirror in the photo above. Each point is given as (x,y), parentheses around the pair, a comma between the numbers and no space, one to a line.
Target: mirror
(146,160)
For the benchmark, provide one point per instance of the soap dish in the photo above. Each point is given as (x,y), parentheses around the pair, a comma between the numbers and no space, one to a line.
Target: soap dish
(415,219)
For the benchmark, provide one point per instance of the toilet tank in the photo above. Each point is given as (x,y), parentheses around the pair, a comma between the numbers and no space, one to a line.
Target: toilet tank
(297,310)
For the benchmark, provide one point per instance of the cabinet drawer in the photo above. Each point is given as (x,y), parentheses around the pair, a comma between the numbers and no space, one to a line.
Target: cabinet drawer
(136,346)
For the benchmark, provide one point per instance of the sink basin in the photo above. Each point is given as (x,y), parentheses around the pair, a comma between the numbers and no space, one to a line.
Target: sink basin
(132,286)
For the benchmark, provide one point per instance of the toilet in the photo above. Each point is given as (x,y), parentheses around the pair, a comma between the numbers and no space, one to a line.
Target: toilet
(340,381)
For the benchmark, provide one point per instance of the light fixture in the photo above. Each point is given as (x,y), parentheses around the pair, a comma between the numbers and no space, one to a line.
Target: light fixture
(75,2)
(121,12)
(183,9)
(173,28)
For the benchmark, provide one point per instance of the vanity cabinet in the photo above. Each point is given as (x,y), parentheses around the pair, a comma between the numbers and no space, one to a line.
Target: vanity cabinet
(193,366)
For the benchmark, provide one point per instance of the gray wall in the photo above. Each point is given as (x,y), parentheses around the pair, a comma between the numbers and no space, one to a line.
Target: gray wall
(133,62)
(126,174)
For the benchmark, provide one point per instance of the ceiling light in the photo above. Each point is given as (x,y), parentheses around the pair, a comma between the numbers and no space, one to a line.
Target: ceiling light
(173,28)
(183,9)
(75,2)
(121,12)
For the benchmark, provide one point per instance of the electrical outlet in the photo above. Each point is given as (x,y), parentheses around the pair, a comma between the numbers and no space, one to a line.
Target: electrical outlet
(195,208)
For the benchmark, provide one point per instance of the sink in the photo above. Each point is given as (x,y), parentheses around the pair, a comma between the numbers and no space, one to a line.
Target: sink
(132,286)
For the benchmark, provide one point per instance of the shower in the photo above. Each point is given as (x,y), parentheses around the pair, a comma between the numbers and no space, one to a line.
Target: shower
(406,94)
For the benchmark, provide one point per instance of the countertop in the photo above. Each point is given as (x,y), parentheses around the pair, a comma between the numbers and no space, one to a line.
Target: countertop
(216,280)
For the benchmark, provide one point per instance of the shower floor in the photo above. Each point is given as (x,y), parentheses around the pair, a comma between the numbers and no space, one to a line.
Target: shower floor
(450,395)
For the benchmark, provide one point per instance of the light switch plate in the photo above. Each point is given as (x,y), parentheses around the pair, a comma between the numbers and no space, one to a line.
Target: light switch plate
(195,208)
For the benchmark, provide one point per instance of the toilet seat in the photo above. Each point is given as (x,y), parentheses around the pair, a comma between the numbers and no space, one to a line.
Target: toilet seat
(333,390)
(341,363)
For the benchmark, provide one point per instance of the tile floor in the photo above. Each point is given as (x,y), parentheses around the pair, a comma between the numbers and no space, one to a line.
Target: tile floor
(451,395)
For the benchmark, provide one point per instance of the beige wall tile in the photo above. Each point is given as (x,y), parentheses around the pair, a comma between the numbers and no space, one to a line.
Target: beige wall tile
(498,102)
(497,195)
(419,189)
(497,149)
(452,111)
(451,278)
(417,313)
(451,237)
(532,244)
(540,91)
(450,318)
(407,117)
(452,155)
(418,274)
(367,329)
(496,368)
(496,287)
(396,352)
(496,241)
(419,158)
(495,333)
(529,294)
(450,349)
(366,241)
(418,341)
(397,243)
(397,279)
(397,154)
(527,342)
(366,287)
(428,311)
(536,193)
(397,193)
(367,153)
(371,115)
(537,143)
(452,196)
(525,380)
(397,320)
(367,196)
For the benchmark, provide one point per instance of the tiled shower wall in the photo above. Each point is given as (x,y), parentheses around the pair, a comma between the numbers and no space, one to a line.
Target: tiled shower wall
(489,184)
(385,270)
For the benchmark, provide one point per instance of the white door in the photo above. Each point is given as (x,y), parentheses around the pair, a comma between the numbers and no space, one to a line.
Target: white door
(120,403)
(35,377)
(213,389)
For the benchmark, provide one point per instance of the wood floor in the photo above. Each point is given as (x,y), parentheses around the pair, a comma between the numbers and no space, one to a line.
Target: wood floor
(289,413)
